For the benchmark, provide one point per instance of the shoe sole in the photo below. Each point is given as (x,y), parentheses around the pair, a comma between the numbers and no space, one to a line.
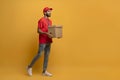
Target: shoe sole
(46,75)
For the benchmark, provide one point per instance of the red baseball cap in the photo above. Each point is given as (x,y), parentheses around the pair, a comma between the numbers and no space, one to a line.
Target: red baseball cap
(46,9)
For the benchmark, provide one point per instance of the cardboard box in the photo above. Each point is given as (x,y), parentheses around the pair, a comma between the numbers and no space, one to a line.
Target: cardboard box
(56,31)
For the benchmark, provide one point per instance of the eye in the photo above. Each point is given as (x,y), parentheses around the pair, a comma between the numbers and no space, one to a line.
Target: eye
(49,11)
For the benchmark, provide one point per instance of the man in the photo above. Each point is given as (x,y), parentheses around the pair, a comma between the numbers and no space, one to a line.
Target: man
(45,40)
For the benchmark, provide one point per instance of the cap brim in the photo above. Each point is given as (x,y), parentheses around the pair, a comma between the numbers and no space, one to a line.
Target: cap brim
(50,9)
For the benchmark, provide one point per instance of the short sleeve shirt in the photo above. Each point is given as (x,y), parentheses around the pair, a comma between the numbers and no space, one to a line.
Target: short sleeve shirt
(43,24)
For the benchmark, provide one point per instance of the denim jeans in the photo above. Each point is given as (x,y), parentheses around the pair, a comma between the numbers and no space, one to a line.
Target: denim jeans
(42,47)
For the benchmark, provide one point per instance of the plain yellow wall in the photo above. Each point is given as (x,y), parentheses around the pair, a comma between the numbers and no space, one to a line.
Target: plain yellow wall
(91,32)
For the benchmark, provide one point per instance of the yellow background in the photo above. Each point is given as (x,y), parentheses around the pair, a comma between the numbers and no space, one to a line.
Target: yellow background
(89,49)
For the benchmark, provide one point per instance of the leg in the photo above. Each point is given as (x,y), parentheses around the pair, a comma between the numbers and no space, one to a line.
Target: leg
(46,56)
(41,48)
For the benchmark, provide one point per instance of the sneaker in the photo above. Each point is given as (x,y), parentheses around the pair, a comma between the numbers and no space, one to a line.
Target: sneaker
(47,74)
(29,71)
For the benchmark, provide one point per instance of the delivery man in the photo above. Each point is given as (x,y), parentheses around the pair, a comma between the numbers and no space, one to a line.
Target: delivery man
(45,40)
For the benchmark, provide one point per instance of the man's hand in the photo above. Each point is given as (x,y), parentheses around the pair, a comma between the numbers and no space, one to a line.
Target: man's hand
(50,35)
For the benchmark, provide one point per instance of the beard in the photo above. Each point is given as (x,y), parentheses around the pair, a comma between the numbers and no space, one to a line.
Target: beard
(48,15)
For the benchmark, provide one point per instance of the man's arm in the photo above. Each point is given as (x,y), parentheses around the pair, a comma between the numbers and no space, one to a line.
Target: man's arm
(41,32)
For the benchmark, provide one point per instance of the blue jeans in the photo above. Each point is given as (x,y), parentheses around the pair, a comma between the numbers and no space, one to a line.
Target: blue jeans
(42,47)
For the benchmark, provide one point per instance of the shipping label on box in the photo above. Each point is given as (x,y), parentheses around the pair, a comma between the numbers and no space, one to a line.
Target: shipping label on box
(56,31)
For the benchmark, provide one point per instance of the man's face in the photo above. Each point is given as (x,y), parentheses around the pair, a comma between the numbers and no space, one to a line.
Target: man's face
(48,13)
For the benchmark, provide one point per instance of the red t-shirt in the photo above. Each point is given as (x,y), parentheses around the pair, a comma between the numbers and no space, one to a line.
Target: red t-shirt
(43,24)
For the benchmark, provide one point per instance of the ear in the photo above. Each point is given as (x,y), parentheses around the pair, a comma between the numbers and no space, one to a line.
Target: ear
(45,13)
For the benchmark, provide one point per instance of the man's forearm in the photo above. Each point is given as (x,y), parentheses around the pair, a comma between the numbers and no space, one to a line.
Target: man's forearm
(41,32)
